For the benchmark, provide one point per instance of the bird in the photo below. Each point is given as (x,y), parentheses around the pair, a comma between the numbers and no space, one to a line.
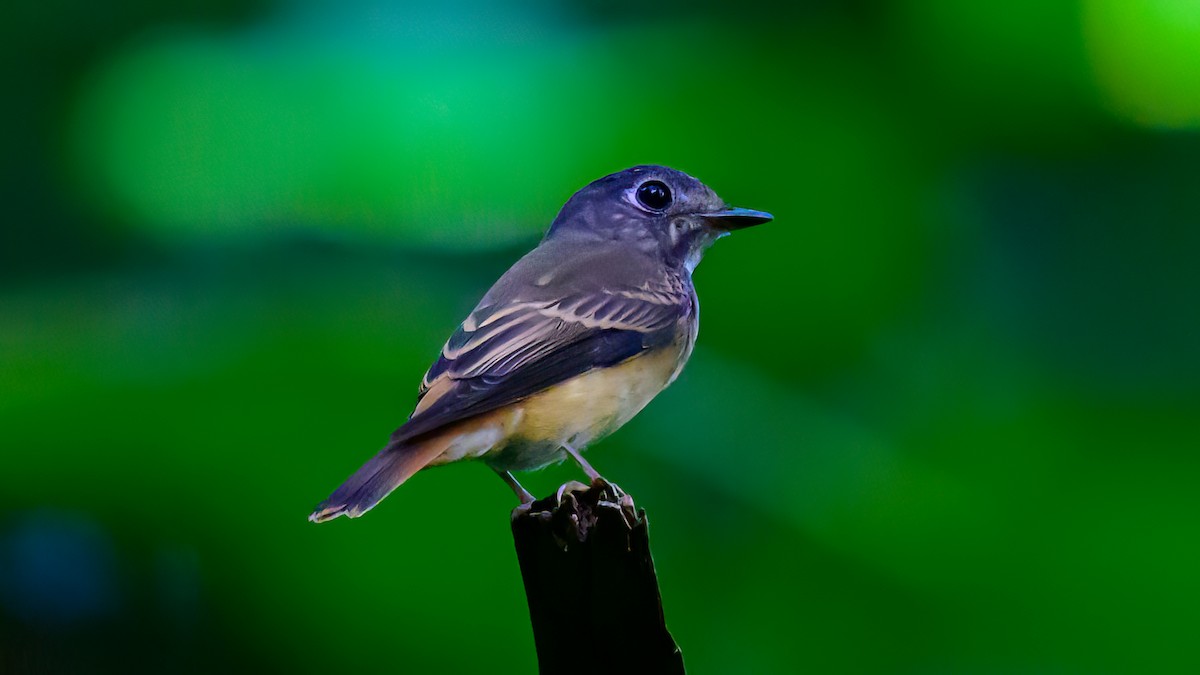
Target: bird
(569,344)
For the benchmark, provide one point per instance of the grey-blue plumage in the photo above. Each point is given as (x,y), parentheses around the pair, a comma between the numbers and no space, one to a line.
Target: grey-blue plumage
(570,342)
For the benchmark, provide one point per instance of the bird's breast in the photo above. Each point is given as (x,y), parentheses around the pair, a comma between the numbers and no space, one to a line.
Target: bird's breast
(588,407)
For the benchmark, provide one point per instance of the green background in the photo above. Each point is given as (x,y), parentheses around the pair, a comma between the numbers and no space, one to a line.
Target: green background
(944,412)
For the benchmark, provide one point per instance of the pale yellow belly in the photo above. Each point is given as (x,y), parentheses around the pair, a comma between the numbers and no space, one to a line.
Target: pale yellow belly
(593,405)
(530,433)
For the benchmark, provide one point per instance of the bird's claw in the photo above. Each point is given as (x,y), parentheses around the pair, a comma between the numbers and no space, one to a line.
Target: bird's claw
(609,492)
(568,488)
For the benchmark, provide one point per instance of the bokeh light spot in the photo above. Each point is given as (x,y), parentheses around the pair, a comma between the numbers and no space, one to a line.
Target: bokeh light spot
(1145,57)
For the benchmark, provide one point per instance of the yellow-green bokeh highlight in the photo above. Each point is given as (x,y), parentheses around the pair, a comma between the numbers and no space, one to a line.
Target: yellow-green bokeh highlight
(1146,60)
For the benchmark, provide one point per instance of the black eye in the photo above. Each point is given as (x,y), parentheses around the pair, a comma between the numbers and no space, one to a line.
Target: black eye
(654,195)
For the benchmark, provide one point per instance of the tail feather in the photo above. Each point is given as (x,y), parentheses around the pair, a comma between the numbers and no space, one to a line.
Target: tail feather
(377,478)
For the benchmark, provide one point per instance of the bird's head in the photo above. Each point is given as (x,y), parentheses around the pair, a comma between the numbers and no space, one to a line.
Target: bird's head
(662,211)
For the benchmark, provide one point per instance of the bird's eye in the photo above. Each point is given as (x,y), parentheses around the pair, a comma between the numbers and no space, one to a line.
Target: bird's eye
(654,195)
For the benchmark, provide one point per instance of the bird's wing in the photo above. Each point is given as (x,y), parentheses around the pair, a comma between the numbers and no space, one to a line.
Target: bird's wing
(505,352)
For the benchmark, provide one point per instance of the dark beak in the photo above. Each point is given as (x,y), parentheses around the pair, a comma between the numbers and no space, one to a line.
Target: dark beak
(736,219)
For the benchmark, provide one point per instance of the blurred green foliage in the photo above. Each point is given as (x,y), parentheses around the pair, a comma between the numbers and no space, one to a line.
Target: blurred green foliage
(943,412)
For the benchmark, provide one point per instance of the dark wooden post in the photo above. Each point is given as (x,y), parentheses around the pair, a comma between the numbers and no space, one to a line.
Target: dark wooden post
(593,595)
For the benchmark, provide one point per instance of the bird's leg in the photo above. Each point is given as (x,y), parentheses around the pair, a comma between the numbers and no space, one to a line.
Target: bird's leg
(587,468)
(524,495)
(597,480)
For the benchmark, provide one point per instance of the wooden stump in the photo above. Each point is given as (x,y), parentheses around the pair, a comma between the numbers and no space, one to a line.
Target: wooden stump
(589,579)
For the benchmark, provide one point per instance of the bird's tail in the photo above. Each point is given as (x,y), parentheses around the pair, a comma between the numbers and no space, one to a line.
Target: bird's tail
(378,477)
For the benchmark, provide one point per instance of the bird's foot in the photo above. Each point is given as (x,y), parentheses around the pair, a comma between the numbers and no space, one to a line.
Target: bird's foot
(567,488)
(565,492)
(611,493)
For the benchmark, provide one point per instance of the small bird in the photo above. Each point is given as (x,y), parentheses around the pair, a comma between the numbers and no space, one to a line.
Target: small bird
(569,344)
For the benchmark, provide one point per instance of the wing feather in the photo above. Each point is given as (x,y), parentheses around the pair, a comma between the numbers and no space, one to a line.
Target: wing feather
(503,352)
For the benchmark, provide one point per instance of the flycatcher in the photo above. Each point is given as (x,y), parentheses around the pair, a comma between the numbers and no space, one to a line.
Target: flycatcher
(569,344)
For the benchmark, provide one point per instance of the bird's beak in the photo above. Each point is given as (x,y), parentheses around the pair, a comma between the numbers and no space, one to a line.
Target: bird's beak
(736,219)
